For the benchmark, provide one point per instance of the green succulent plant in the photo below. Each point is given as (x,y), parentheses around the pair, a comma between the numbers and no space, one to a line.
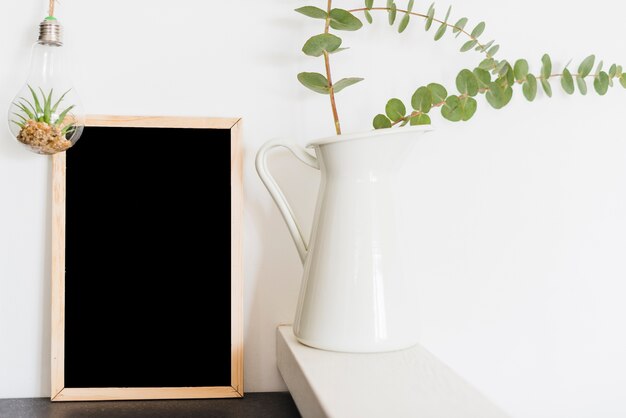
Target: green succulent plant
(494,78)
(43,109)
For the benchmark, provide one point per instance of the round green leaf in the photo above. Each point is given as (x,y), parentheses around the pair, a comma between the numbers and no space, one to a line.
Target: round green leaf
(469,45)
(422,100)
(483,77)
(601,83)
(468,108)
(391,11)
(448,14)
(485,47)
(438,92)
(467,83)
(344,20)
(404,23)
(381,122)
(421,119)
(499,96)
(478,30)
(586,66)
(622,80)
(459,26)
(368,16)
(318,44)
(487,64)
(493,51)
(311,11)
(494,95)
(369,3)
(314,81)
(546,69)
(521,70)
(567,82)
(530,87)
(500,67)
(395,109)
(546,87)
(582,85)
(440,32)
(451,110)
(508,95)
(345,82)
(506,74)
(431,16)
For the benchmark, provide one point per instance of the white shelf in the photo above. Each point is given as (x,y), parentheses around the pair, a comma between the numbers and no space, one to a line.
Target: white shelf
(410,383)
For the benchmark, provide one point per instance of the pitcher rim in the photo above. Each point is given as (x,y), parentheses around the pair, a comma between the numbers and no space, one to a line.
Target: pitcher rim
(368,134)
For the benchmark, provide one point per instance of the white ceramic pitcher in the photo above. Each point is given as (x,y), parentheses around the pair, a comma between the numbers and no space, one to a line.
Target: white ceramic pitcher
(356,294)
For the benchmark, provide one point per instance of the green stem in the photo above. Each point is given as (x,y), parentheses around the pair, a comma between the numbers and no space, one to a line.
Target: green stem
(331,89)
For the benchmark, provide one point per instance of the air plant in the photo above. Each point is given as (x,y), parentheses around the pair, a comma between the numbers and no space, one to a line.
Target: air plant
(41,128)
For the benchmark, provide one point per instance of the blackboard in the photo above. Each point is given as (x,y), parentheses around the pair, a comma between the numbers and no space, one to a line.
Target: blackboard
(147,261)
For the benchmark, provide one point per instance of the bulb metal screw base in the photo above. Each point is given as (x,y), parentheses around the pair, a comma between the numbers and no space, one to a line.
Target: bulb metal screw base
(50,32)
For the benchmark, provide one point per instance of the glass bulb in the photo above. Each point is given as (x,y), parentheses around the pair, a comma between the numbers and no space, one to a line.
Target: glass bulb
(46,114)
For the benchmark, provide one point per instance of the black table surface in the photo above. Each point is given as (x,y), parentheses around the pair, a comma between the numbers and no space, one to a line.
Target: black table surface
(255,405)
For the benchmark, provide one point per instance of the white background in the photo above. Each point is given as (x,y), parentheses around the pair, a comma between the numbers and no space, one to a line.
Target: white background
(519,216)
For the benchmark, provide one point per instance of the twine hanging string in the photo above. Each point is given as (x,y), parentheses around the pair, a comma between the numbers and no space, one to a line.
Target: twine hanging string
(51,8)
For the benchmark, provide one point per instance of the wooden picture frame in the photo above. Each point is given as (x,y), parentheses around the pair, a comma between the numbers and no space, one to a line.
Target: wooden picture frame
(58,390)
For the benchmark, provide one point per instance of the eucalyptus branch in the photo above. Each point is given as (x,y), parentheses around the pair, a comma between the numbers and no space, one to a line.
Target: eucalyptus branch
(417,113)
(498,92)
(493,78)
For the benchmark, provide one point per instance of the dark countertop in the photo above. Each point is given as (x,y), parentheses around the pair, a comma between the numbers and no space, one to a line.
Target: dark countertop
(255,405)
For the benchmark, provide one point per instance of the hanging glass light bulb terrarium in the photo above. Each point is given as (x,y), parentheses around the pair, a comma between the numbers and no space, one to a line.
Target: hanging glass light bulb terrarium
(46,115)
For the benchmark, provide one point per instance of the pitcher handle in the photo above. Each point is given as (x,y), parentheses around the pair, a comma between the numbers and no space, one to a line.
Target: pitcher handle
(277,194)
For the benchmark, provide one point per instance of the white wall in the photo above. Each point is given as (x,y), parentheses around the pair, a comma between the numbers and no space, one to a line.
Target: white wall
(519,215)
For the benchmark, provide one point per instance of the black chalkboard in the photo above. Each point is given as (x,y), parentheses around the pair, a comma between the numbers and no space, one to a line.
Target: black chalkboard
(148,263)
